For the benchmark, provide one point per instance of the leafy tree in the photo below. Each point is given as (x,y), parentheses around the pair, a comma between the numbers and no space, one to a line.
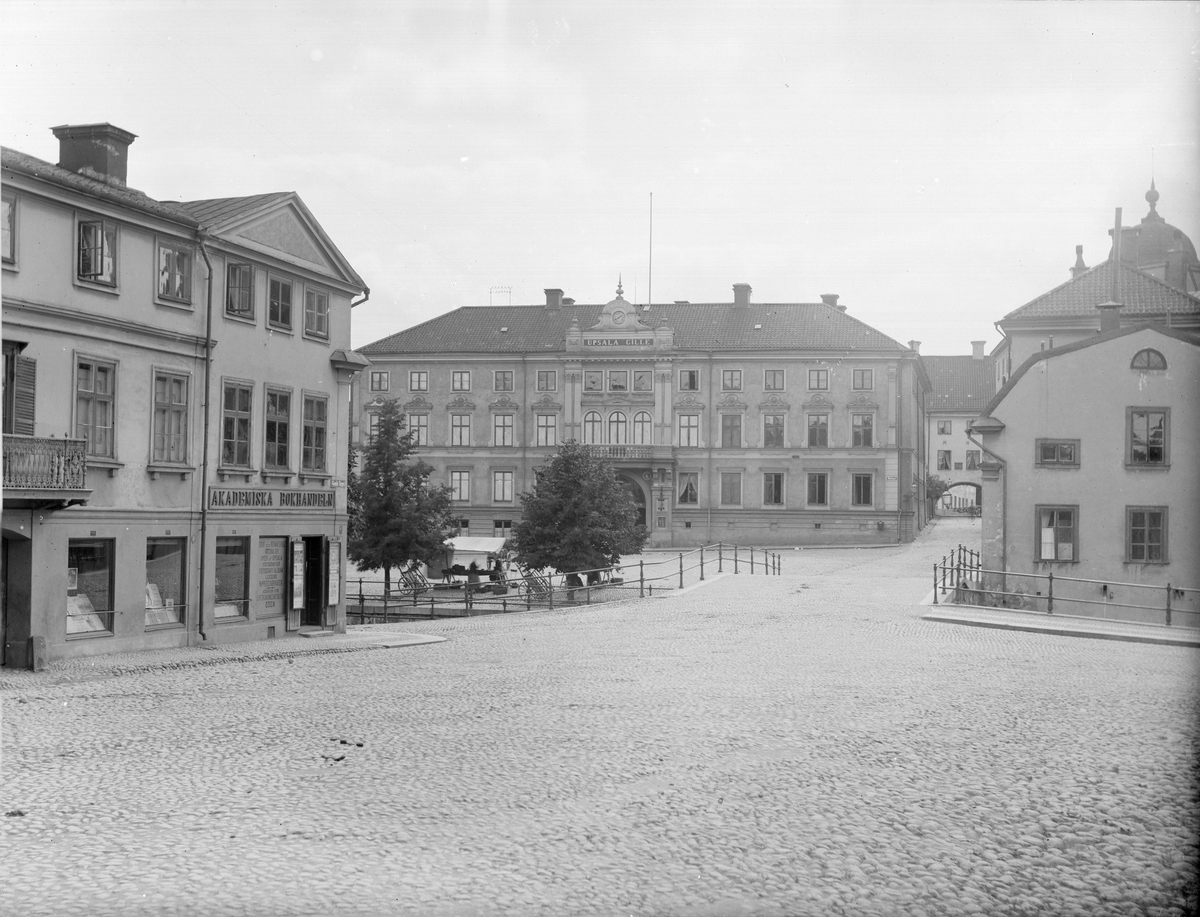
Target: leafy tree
(577,517)
(401,516)
(934,488)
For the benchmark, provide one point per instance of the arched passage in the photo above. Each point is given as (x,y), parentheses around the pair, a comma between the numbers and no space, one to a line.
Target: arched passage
(635,491)
(960,497)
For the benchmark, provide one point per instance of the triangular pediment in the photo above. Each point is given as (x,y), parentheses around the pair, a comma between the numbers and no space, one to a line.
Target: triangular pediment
(286,234)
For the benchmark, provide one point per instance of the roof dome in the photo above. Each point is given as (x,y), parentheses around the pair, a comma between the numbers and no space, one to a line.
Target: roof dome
(1158,248)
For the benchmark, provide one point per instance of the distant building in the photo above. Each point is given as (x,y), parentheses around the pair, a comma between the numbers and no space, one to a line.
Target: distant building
(1155,281)
(1092,470)
(961,387)
(175,386)
(758,423)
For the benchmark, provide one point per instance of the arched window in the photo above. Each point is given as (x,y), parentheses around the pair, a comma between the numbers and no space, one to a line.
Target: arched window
(591,427)
(618,427)
(1148,359)
(641,429)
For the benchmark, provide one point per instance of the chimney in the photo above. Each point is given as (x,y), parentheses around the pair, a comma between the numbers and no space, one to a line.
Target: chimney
(568,301)
(554,299)
(1079,266)
(977,349)
(1110,316)
(98,151)
(741,294)
(914,346)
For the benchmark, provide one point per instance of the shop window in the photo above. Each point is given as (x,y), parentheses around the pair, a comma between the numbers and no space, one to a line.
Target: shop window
(642,429)
(313,448)
(235,424)
(731,488)
(166,568)
(773,428)
(91,572)
(460,429)
(502,430)
(278,430)
(98,252)
(1147,434)
(279,304)
(689,430)
(233,577)
(316,313)
(818,431)
(547,429)
(170,417)
(239,290)
(773,380)
(174,272)
(689,488)
(773,489)
(1146,541)
(862,490)
(1058,533)
(95,392)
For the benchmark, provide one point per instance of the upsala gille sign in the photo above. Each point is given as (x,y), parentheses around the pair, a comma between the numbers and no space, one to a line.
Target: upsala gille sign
(222,498)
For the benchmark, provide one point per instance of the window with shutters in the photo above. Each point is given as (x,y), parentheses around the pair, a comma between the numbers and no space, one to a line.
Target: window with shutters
(170,418)
(95,396)
(20,391)
(97,252)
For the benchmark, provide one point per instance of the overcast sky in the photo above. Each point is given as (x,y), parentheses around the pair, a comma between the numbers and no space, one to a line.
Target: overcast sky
(933,163)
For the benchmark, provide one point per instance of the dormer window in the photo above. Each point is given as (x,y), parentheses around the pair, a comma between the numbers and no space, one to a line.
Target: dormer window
(1148,359)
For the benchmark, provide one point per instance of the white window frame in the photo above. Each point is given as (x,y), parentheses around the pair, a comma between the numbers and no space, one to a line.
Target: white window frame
(278,323)
(183,254)
(502,430)
(690,424)
(460,380)
(110,252)
(502,486)
(92,398)
(169,420)
(316,313)
(547,380)
(460,485)
(771,386)
(380,380)
(248,290)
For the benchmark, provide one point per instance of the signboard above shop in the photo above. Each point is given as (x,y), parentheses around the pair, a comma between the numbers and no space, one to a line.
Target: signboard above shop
(271,500)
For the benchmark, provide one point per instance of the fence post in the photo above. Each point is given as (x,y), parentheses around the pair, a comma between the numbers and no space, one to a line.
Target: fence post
(641,580)
(550,580)
(528,596)
(702,563)
(1168,604)
(1050,593)
(680,569)
(735,558)
(720,557)
(935,584)
(751,560)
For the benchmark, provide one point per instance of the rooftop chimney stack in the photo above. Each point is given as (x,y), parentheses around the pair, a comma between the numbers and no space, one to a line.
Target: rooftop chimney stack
(977,349)
(554,299)
(99,151)
(741,295)
(831,299)
(1110,316)
(915,346)
(1079,266)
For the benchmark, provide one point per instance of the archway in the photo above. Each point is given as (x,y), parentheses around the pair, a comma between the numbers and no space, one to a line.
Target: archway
(961,497)
(638,495)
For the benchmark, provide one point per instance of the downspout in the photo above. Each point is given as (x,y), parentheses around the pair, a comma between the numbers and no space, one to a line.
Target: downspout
(208,346)
(1003,508)
(899,431)
(524,429)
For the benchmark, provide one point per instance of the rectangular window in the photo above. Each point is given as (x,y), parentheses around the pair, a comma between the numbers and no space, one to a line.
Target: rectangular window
(731,431)
(170,417)
(862,488)
(689,380)
(460,380)
(731,488)
(166,566)
(233,577)
(818,380)
(593,380)
(618,380)
(91,571)
(418,428)
(316,313)
(502,430)
(239,290)
(235,424)
(547,380)
(502,486)
(864,380)
(95,390)
(689,488)
(502,380)
(418,381)
(380,380)
(547,429)
(818,431)
(1148,437)
(372,427)
(972,459)
(731,380)
(773,427)
(464,527)
(689,430)
(1147,528)
(1058,452)
(643,380)
(174,272)
(773,380)
(278,429)
(501,528)
(943,460)
(772,489)
(98,252)
(862,430)
(279,304)
(316,412)
(460,429)
(818,489)
(1057,533)
(943,427)
(8,228)
(460,486)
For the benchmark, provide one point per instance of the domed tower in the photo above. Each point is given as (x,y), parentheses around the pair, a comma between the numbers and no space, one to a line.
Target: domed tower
(1160,249)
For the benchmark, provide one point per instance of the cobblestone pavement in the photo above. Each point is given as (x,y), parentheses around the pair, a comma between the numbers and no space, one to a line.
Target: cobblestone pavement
(801,744)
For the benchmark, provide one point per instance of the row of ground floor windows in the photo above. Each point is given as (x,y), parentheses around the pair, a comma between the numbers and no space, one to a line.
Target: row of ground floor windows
(1058,534)
(92,566)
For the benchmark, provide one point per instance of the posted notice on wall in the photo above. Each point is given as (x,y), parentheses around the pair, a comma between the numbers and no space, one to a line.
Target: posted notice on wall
(335,572)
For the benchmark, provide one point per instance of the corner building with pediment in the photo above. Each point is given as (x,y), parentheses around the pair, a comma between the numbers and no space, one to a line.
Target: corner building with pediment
(750,423)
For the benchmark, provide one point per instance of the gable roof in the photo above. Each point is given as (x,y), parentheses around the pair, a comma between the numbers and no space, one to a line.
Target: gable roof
(962,384)
(219,210)
(697,326)
(1186,337)
(1139,293)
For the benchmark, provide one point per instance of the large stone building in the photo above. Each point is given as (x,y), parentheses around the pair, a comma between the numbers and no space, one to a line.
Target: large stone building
(175,386)
(761,423)
(961,387)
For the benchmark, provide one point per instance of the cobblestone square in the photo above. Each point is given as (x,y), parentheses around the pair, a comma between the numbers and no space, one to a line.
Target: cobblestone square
(791,745)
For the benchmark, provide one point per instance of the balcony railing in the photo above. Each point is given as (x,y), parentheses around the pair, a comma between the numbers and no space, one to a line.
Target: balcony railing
(36,463)
(620,452)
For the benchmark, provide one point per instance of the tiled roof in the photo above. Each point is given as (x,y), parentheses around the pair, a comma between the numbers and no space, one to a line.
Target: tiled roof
(117,194)
(962,384)
(1138,292)
(219,209)
(697,326)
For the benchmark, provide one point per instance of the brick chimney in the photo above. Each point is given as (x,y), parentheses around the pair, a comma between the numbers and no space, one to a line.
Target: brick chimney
(98,151)
(1079,267)
(831,299)
(741,294)
(554,299)
(1110,316)
(914,346)
(977,349)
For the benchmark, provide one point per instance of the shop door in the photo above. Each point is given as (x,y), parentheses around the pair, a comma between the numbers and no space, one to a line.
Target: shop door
(315,567)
